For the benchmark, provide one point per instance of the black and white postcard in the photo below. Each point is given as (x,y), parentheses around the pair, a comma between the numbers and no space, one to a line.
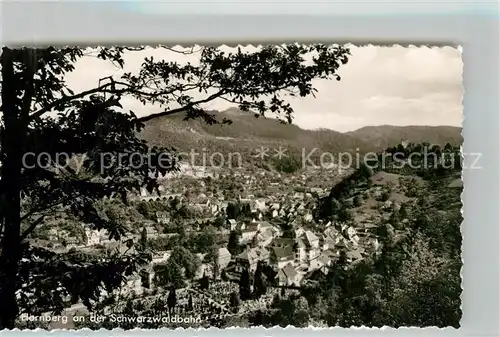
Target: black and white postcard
(189,186)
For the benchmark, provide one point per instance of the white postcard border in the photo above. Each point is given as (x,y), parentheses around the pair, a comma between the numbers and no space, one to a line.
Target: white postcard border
(475,28)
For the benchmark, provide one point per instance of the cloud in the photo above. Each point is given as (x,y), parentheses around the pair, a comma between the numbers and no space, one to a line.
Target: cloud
(390,85)
(380,85)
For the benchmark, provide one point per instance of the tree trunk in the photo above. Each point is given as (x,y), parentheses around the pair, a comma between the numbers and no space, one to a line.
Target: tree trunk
(10,189)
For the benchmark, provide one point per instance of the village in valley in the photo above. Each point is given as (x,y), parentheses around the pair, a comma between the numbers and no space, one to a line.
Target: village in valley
(223,243)
(252,222)
(344,213)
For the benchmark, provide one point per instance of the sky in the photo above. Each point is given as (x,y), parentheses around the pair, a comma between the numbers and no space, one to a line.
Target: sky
(390,85)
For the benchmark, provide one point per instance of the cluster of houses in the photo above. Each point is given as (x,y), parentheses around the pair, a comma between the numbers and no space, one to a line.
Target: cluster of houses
(296,259)
(265,192)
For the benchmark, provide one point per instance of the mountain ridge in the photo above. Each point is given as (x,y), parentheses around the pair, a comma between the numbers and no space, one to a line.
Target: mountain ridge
(249,132)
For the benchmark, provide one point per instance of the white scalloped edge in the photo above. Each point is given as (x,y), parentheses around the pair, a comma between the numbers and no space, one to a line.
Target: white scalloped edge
(280,43)
(257,329)
(462,158)
(290,328)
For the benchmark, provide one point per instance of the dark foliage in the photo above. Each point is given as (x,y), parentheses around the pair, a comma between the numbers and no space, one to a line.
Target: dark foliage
(244,285)
(92,130)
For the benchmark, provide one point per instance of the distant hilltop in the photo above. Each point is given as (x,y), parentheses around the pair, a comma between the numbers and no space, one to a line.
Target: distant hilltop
(247,132)
(389,135)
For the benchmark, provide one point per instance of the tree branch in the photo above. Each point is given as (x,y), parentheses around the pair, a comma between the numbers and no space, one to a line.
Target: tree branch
(31,227)
(185,52)
(181,109)
(47,208)
(104,89)
(67,99)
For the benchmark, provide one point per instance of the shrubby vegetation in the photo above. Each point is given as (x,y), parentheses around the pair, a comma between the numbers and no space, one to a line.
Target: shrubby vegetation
(414,281)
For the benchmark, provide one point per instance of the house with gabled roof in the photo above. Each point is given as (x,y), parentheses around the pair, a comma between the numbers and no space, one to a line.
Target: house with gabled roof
(351,231)
(287,276)
(322,262)
(249,232)
(354,256)
(262,224)
(300,251)
(299,231)
(325,258)
(249,259)
(265,237)
(282,242)
(327,240)
(310,239)
(224,257)
(255,228)
(274,213)
(232,224)
(311,243)
(308,217)
(214,208)
(258,215)
(259,204)
(93,236)
(281,256)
